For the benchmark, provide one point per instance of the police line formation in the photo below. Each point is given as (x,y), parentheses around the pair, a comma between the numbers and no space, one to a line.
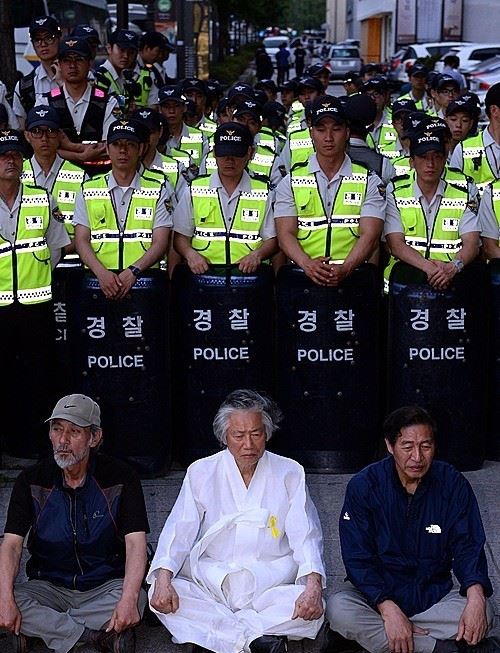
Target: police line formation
(162,242)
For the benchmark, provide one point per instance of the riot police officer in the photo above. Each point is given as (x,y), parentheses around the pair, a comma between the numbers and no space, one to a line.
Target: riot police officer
(122,219)
(431,222)
(225,217)
(329,211)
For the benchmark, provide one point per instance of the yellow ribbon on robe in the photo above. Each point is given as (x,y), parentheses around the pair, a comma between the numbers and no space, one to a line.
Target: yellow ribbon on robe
(275,531)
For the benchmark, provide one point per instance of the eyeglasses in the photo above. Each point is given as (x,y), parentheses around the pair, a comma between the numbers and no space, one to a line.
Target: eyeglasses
(46,40)
(49,132)
(448,91)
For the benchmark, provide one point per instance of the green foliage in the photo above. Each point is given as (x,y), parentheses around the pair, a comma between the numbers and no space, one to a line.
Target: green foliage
(305,14)
(231,67)
(256,12)
(430,61)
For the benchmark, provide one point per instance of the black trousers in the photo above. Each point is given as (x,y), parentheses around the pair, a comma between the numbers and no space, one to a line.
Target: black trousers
(31,383)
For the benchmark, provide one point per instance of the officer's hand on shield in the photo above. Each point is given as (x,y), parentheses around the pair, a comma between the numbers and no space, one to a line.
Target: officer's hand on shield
(319,270)
(250,262)
(198,264)
(338,274)
(109,283)
(445,272)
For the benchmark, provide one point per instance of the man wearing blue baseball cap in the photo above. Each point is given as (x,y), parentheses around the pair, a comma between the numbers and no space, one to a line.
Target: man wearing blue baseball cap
(329,211)
(121,76)
(45,33)
(441,236)
(136,222)
(47,169)
(84,111)
(227,214)
(183,137)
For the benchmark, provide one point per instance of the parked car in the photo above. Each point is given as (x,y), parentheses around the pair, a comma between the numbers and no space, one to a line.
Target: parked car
(470,55)
(478,77)
(418,51)
(341,59)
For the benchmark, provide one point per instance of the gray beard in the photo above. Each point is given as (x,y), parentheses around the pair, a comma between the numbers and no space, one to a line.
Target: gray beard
(68,460)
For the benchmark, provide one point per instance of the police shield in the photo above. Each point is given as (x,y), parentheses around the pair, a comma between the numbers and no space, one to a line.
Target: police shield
(328,369)
(120,359)
(493,448)
(222,340)
(64,276)
(437,357)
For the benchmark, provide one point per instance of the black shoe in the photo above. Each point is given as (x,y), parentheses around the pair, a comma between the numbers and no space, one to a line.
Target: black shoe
(200,649)
(269,644)
(487,645)
(112,642)
(335,643)
(21,643)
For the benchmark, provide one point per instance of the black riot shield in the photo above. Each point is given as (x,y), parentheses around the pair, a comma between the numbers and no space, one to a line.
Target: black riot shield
(493,445)
(64,277)
(222,340)
(328,369)
(120,359)
(437,357)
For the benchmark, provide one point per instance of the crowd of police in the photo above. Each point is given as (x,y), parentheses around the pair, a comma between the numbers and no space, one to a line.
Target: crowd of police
(132,178)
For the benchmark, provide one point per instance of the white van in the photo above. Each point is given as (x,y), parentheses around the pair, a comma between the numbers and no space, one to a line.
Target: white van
(25,53)
(272,45)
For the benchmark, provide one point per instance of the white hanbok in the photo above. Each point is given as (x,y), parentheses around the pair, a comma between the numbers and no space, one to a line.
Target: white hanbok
(240,556)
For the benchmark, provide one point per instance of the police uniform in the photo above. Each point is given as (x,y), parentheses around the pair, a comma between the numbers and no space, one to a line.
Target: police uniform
(434,228)
(32,236)
(489,212)
(192,141)
(63,181)
(86,119)
(32,90)
(478,157)
(353,190)
(249,206)
(127,209)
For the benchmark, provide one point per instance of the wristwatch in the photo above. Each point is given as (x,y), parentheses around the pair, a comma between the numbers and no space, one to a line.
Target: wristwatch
(458,264)
(135,271)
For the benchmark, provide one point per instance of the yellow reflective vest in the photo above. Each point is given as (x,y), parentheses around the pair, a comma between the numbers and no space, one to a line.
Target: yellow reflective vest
(118,248)
(301,146)
(443,241)
(476,163)
(67,184)
(216,242)
(317,234)
(25,266)
(192,144)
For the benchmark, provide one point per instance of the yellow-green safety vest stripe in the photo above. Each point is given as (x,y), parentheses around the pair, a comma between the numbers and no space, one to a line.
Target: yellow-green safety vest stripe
(318,234)
(218,243)
(64,190)
(192,144)
(118,248)
(475,161)
(25,265)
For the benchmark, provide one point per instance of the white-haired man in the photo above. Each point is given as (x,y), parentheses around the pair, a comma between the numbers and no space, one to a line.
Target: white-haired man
(238,567)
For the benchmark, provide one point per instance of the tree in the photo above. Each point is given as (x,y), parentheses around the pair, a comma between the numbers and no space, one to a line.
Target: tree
(254,12)
(7,45)
(305,14)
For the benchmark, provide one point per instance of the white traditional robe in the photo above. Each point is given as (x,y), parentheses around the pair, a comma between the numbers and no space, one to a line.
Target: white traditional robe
(239,555)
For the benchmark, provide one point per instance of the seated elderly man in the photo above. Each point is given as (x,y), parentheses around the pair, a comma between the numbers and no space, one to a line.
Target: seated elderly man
(407,522)
(239,566)
(86,519)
